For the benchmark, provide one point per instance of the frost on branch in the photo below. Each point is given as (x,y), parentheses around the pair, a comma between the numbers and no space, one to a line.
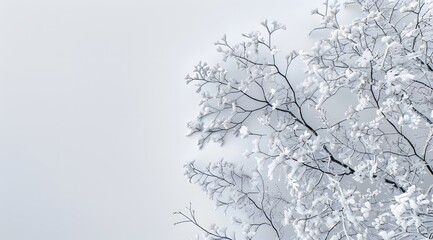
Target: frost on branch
(341,151)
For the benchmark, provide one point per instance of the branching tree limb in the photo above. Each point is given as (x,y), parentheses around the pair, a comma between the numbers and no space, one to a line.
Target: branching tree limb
(341,151)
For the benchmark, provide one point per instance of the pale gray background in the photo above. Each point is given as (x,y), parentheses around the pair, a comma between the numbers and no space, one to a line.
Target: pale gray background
(93,109)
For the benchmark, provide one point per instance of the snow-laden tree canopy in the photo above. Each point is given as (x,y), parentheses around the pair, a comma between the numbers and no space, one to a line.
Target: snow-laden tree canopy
(345,152)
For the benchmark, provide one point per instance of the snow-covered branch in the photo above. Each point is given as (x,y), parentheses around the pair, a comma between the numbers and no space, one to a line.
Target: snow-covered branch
(340,151)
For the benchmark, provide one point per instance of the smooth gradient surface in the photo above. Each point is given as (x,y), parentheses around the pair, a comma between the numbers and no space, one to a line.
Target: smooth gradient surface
(93,111)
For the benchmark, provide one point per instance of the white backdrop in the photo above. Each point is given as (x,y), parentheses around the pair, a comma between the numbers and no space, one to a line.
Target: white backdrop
(93,111)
